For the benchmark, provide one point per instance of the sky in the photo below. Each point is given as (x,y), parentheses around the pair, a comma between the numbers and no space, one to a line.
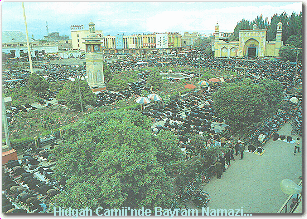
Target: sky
(136,17)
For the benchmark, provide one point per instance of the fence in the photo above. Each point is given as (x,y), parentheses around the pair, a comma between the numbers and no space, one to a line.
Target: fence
(289,206)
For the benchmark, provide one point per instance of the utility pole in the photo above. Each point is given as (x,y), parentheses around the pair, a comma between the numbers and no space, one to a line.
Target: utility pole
(29,52)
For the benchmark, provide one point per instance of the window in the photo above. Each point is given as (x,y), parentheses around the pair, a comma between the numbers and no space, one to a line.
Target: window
(78,40)
(77,35)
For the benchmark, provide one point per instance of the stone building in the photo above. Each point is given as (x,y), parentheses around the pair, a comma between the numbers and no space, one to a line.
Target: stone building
(252,43)
(94,60)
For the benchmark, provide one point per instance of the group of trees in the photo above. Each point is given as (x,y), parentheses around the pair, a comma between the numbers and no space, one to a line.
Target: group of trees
(112,160)
(246,103)
(119,80)
(76,94)
(204,44)
(291,27)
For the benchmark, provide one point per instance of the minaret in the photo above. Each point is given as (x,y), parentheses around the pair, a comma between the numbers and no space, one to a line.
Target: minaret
(279,32)
(278,42)
(91,27)
(94,59)
(217,31)
(216,40)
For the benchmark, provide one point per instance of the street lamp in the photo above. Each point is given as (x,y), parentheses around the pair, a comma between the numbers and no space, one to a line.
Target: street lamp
(289,187)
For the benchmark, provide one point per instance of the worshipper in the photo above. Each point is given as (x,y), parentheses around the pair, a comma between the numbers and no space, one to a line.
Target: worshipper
(289,139)
(259,150)
(219,169)
(237,148)
(275,136)
(297,146)
(228,157)
(282,137)
(251,148)
(223,161)
(242,150)
(223,141)
(232,151)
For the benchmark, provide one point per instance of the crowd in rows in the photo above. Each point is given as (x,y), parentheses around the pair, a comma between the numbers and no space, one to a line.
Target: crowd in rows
(27,182)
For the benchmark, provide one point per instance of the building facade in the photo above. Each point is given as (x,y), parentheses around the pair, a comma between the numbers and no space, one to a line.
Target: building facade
(252,43)
(188,39)
(78,34)
(161,41)
(15,43)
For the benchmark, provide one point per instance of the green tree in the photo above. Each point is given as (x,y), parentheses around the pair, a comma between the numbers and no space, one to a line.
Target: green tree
(21,96)
(260,22)
(295,40)
(295,24)
(107,73)
(111,160)
(245,103)
(241,25)
(37,84)
(120,81)
(272,29)
(155,80)
(169,154)
(290,53)
(75,93)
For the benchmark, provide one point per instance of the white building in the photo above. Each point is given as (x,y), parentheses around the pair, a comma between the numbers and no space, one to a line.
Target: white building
(161,40)
(78,34)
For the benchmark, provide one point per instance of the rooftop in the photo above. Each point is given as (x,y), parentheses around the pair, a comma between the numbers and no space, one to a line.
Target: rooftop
(14,37)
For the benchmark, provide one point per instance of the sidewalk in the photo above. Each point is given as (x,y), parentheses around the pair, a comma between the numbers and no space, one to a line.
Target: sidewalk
(254,182)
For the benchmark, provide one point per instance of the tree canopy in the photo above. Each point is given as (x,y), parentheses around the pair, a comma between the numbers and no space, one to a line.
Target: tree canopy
(155,80)
(120,80)
(74,97)
(291,25)
(37,84)
(290,53)
(112,160)
(244,103)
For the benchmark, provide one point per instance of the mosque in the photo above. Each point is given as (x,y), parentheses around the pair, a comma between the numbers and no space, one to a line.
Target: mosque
(252,43)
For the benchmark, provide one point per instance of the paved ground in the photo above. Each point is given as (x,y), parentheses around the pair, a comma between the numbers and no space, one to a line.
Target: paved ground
(254,182)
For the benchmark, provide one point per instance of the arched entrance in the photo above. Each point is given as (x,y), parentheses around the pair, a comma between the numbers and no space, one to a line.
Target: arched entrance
(251,48)
(224,52)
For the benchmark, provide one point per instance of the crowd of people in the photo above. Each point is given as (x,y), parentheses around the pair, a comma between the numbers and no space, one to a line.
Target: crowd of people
(186,115)
(28,184)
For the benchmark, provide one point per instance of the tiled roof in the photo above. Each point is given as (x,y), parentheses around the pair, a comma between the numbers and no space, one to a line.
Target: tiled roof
(14,37)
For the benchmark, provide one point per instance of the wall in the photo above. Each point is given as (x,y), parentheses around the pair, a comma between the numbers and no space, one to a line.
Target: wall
(9,155)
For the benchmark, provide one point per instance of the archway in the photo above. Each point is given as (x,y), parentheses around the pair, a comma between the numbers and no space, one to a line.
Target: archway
(224,52)
(251,48)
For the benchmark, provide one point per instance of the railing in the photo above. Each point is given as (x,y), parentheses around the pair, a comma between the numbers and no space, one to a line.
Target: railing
(289,206)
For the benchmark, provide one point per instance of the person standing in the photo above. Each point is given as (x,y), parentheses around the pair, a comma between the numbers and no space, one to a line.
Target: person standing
(227,157)
(219,169)
(297,146)
(242,150)
(237,148)
(232,153)
(223,161)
